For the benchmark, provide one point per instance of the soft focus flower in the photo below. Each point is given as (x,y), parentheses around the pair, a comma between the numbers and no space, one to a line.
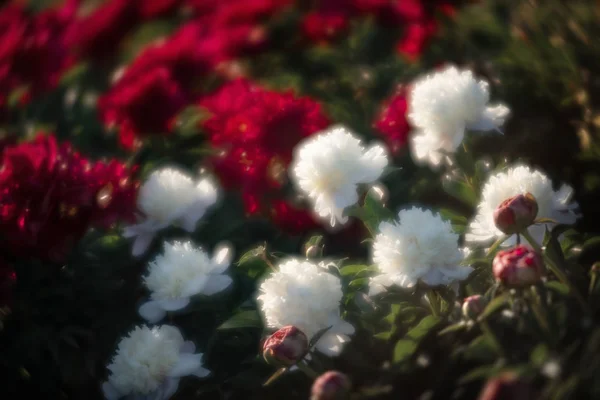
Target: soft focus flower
(33,52)
(170,197)
(304,295)
(324,27)
(442,106)
(415,38)
(332,385)
(421,246)
(256,131)
(507,386)
(99,31)
(473,306)
(50,196)
(150,362)
(181,272)
(329,167)
(518,266)
(515,214)
(392,124)
(142,106)
(556,205)
(285,347)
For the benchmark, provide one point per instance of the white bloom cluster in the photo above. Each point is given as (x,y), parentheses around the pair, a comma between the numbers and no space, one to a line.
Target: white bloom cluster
(442,106)
(304,295)
(420,247)
(181,272)
(149,363)
(328,167)
(170,197)
(556,205)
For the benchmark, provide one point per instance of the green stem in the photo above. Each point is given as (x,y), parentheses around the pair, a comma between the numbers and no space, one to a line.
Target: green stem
(307,370)
(557,270)
(497,244)
(485,328)
(433,302)
(539,314)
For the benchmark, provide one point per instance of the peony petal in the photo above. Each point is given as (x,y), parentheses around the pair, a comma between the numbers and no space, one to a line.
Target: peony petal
(343,327)
(492,118)
(201,372)
(187,364)
(331,344)
(215,284)
(110,392)
(223,254)
(170,387)
(195,285)
(152,311)
(188,347)
(174,304)
(141,244)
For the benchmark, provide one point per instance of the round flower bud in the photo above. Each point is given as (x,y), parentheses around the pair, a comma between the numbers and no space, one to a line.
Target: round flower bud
(519,266)
(516,213)
(506,386)
(332,385)
(285,347)
(473,306)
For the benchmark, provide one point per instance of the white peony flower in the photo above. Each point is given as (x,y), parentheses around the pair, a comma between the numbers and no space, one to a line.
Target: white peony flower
(150,362)
(420,247)
(170,197)
(304,295)
(556,205)
(442,106)
(329,166)
(181,272)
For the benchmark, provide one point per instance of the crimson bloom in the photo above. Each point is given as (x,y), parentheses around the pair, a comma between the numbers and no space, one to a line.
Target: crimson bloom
(50,195)
(392,124)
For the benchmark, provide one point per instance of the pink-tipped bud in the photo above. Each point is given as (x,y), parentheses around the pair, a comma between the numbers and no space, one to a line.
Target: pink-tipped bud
(332,385)
(285,347)
(519,266)
(506,386)
(473,306)
(516,214)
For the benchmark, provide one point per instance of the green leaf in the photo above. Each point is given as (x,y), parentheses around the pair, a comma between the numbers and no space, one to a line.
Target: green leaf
(423,328)
(481,349)
(459,326)
(494,306)
(460,190)
(404,349)
(383,335)
(244,319)
(355,269)
(372,213)
(539,354)
(559,287)
(252,255)
(358,283)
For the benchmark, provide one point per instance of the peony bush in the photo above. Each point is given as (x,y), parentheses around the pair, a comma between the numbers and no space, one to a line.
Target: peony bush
(267,199)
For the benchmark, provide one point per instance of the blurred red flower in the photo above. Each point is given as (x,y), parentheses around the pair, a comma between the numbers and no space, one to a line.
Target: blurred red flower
(324,27)
(50,195)
(392,124)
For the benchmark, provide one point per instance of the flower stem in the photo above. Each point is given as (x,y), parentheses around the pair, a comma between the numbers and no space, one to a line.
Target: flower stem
(557,270)
(497,244)
(433,302)
(307,370)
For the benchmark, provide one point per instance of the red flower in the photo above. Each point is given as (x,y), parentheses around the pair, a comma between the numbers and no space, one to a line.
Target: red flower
(520,266)
(142,106)
(33,52)
(96,35)
(149,9)
(516,214)
(295,221)
(285,347)
(50,195)
(324,27)
(415,38)
(392,123)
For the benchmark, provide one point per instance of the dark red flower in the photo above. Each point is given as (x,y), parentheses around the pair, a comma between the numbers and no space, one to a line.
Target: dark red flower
(516,214)
(285,347)
(324,27)
(33,51)
(97,34)
(415,38)
(149,9)
(50,195)
(294,221)
(392,123)
(519,266)
(142,106)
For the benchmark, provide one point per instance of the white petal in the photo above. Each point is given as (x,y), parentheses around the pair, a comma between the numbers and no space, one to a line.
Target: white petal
(343,327)
(170,388)
(492,118)
(188,347)
(223,255)
(152,311)
(174,304)
(186,364)
(331,344)
(110,392)
(201,372)
(141,244)
(215,284)
(195,285)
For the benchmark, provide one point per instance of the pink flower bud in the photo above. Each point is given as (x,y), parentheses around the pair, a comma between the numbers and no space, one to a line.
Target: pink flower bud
(286,346)
(516,214)
(518,267)
(332,385)
(506,386)
(473,306)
